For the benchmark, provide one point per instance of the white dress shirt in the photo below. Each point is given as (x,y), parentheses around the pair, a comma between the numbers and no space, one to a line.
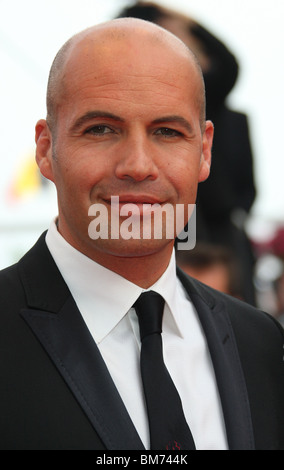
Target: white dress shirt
(105,301)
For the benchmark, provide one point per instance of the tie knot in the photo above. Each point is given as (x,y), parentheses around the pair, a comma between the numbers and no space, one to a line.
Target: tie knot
(149,308)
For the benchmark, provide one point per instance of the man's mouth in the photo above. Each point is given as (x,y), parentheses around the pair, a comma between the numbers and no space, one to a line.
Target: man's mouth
(136,203)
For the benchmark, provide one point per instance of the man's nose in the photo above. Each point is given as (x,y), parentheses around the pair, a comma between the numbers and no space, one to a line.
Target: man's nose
(136,160)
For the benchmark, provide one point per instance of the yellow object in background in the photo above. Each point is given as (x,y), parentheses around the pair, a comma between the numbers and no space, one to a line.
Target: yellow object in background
(27,180)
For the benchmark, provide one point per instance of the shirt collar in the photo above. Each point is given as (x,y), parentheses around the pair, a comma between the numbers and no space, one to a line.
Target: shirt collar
(102,296)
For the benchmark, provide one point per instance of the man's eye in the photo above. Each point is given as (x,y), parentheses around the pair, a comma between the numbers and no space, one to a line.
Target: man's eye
(167,132)
(99,130)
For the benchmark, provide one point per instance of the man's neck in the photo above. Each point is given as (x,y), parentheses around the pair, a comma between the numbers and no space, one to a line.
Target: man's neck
(143,271)
(141,262)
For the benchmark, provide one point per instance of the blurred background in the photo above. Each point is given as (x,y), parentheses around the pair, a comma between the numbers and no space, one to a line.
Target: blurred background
(252,31)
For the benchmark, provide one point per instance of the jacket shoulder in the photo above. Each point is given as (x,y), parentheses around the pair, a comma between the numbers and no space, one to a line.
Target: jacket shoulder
(11,287)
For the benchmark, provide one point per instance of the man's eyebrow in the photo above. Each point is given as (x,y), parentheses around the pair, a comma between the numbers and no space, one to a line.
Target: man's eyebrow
(179,119)
(94,115)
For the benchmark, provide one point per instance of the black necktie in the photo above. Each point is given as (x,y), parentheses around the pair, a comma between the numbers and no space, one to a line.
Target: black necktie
(168,427)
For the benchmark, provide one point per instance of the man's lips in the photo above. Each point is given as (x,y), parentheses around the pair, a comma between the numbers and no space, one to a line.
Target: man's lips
(143,203)
(133,199)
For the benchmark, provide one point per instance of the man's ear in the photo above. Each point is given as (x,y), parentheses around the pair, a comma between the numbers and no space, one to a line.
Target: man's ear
(43,140)
(207,141)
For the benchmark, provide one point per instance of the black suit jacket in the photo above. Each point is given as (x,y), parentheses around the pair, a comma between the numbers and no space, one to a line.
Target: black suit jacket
(56,392)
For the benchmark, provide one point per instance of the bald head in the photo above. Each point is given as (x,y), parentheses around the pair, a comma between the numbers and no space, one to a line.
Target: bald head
(98,39)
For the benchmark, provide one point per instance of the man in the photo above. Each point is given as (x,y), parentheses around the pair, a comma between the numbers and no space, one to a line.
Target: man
(123,122)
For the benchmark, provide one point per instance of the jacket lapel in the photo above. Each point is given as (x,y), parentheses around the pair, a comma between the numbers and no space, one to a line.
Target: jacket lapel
(226,362)
(57,323)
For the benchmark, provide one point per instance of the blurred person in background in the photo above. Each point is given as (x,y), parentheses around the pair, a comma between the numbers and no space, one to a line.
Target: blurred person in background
(212,265)
(278,250)
(225,199)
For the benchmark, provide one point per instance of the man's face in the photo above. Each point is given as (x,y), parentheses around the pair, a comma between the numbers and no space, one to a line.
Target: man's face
(128,126)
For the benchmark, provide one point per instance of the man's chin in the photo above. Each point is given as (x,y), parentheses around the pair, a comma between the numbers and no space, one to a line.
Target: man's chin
(131,248)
